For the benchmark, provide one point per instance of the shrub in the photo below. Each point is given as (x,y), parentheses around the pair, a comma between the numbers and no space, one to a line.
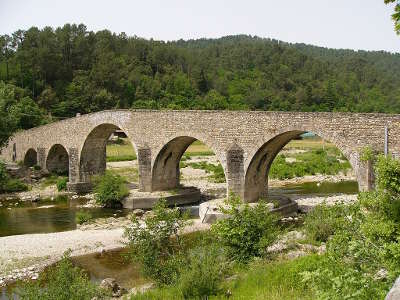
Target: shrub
(363,257)
(63,282)
(157,245)
(323,221)
(248,230)
(14,185)
(62,183)
(82,217)
(110,189)
(37,167)
(203,272)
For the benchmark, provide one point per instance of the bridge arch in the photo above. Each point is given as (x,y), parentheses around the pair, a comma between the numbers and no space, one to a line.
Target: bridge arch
(93,151)
(256,175)
(31,158)
(57,160)
(165,170)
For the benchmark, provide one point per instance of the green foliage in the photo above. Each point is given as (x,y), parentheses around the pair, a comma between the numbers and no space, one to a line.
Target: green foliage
(204,271)
(217,171)
(14,185)
(103,70)
(323,221)
(62,183)
(367,154)
(82,217)
(10,185)
(157,246)
(308,163)
(110,189)
(395,15)
(63,282)
(37,167)
(248,230)
(121,158)
(365,244)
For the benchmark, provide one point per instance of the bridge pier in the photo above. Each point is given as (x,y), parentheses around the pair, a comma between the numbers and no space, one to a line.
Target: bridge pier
(144,164)
(235,171)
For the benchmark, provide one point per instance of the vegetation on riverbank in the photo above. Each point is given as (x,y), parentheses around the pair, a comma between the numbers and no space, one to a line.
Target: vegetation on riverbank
(10,185)
(110,189)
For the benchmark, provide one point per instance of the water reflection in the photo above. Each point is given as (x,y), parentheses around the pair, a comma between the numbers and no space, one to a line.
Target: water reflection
(18,217)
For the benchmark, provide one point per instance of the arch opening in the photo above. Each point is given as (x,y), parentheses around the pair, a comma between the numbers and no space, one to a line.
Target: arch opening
(107,147)
(187,162)
(30,158)
(292,154)
(58,160)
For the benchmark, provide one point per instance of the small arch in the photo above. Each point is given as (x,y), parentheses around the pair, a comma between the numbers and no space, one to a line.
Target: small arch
(58,160)
(166,171)
(30,158)
(256,179)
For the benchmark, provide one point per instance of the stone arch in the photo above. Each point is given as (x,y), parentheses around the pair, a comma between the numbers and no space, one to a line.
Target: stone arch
(93,151)
(256,178)
(31,158)
(58,159)
(165,171)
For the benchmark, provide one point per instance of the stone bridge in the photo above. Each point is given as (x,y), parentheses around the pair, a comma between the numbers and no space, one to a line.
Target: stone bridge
(245,142)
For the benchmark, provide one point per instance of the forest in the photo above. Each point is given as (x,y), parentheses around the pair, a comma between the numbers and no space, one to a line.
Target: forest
(53,73)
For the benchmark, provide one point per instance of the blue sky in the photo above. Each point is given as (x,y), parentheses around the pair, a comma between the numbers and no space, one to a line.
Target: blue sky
(354,24)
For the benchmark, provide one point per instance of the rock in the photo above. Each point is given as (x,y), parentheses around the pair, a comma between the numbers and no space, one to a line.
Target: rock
(141,289)
(394,293)
(111,285)
(138,212)
(35,198)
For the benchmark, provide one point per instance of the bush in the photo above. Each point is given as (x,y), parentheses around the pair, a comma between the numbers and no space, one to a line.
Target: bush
(63,282)
(62,184)
(110,190)
(248,230)
(37,167)
(323,221)
(203,272)
(363,256)
(82,217)
(158,246)
(14,185)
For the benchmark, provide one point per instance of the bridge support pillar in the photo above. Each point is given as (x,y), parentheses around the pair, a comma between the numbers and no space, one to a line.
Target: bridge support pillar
(41,159)
(366,176)
(144,163)
(235,170)
(75,183)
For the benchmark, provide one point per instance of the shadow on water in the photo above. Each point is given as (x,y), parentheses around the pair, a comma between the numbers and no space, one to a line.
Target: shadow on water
(22,217)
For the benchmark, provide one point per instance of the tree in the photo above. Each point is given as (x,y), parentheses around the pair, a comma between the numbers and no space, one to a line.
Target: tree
(396,15)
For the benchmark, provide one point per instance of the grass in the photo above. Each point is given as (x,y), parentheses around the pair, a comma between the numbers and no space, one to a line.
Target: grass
(216,171)
(276,280)
(317,161)
(309,144)
(52,180)
(120,152)
(129,174)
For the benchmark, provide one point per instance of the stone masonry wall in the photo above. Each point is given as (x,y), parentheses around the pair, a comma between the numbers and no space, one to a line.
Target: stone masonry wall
(235,137)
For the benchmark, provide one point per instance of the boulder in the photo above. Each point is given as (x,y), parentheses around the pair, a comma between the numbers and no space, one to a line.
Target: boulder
(111,285)
(394,293)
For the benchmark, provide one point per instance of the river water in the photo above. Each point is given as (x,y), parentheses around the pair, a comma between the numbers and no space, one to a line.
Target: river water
(23,217)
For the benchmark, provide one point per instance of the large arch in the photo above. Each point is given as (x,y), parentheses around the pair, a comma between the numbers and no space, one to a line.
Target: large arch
(256,178)
(93,152)
(165,171)
(57,160)
(31,158)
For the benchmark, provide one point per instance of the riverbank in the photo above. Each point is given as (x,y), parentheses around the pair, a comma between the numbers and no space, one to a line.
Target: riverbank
(25,256)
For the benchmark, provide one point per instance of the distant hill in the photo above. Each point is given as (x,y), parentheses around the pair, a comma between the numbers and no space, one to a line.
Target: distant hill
(68,70)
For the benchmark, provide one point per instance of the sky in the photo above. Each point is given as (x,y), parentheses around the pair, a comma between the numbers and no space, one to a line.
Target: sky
(350,24)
